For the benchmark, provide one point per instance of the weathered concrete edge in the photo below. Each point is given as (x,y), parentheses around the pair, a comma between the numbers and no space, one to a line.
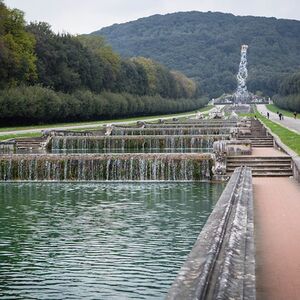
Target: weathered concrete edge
(294,156)
(194,278)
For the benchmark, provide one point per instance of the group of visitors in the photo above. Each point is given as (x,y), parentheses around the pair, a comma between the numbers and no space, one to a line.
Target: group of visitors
(280,115)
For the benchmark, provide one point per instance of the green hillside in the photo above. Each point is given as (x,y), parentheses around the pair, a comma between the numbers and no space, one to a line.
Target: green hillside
(206,46)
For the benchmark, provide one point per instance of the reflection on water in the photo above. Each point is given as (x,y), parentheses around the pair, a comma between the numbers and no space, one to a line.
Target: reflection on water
(98,241)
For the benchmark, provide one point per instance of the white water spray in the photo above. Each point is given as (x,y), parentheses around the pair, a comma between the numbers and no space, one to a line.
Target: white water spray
(241,94)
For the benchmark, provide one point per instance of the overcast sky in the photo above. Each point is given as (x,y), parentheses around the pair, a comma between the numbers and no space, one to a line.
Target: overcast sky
(85,16)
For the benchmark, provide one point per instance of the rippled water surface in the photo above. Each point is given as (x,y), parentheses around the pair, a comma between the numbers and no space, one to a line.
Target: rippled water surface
(98,241)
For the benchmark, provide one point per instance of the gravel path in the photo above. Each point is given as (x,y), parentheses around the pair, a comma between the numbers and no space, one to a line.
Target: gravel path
(290,123)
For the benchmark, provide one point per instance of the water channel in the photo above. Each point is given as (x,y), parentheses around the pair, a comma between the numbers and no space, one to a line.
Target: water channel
(98,241)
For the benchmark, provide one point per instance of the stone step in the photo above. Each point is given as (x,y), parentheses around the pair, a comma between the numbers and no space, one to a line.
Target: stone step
(257,138)
(248,158)
(263,145)
(268,169)
(38,139)
(27,143)
(260,165)
(262,142)
(268,174)
(254,138)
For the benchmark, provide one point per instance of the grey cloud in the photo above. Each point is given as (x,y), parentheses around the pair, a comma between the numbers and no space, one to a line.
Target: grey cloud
(85,16)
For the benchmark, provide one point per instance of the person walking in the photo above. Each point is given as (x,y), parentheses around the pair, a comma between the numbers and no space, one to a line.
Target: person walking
(295,115)
(268,115)
(280,116)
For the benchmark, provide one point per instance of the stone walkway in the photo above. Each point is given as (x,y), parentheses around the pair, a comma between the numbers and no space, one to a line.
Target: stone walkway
(267,152)
(277,232)
(277,235)
(290,123)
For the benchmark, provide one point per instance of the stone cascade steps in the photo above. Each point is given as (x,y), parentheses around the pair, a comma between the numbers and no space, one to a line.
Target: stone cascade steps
(269,166)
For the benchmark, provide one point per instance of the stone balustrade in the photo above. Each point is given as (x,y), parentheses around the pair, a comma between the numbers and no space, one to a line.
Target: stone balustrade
(221,264)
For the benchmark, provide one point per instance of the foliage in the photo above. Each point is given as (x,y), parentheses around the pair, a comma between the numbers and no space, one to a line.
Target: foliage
(206,47)
(17,58)
(110,61)
(288,96)
(64,63)
(37,105)
(67,63)
(79,77)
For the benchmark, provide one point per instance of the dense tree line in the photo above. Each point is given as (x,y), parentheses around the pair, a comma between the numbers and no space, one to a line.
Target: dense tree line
(206,47)
(288,96)
(37,104)
(49,77)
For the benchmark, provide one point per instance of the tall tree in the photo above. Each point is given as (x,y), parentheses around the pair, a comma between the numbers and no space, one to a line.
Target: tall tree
(17,58)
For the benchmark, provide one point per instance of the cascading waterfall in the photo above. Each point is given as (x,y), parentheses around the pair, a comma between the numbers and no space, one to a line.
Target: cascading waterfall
(170,131)
(130,167)
(201,122)
(189,125)
(107,144)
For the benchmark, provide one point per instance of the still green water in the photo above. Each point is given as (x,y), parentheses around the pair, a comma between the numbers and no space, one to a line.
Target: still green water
(98,241)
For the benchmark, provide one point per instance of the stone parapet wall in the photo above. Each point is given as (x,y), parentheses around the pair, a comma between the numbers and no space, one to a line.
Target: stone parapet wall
(221,264)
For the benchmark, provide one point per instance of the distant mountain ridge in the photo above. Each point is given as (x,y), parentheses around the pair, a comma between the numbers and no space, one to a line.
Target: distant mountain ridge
(206,47)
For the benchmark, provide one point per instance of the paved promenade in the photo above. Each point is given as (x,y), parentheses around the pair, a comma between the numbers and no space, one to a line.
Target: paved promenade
(277,234)
(290,123)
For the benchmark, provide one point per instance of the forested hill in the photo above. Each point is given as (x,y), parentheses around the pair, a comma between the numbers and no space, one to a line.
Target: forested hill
(206,46)
(47,77)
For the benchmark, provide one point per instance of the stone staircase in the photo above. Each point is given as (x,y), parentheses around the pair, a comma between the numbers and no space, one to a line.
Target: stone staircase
(29,144)
(259,136)
(266,142)
(262,166)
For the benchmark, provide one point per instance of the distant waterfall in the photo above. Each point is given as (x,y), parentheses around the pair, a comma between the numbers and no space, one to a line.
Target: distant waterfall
(170,131)
(130,167)
(98,144)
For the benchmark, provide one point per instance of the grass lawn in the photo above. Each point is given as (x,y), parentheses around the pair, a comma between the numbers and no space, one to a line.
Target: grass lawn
(275,109)
(203,109)
(12,136)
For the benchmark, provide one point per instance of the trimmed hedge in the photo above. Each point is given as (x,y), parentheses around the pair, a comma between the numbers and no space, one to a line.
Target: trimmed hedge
(38,105)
